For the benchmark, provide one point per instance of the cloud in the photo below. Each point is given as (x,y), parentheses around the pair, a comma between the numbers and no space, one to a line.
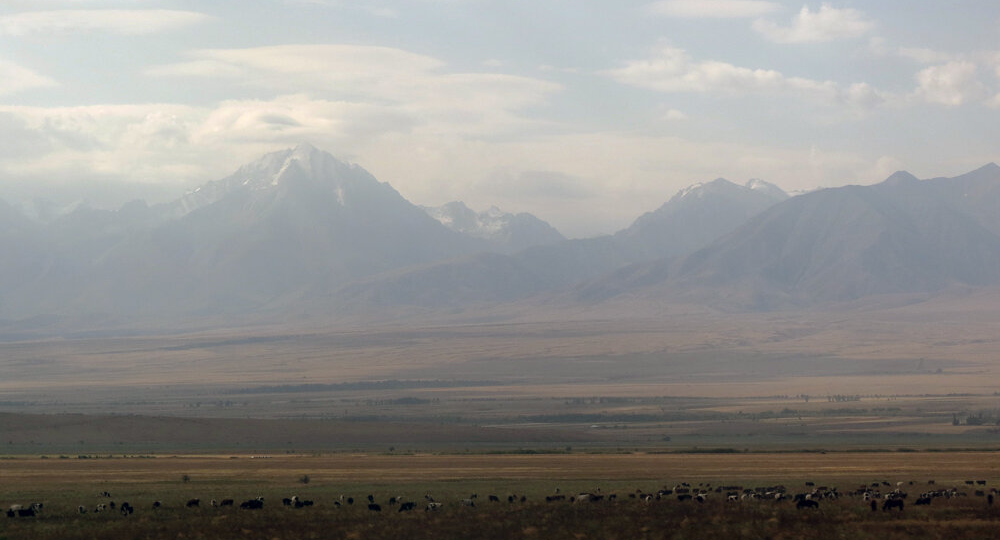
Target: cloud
(673,114)
(712,9)
(396,81)
(117,21)
(671,69)
(950,84)
(922,55)
(15,78)
(827,24)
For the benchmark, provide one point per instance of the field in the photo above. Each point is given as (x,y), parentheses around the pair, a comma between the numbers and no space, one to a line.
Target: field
(889,394)
(64,484)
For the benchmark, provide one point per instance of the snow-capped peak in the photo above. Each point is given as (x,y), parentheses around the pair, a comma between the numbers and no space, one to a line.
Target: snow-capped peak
(756,184)
(302,165)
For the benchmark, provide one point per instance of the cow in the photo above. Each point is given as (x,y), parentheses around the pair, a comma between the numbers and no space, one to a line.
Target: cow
(302,503)
(81,509)
(191,503)
(923,501)
(126,508)
(407,506)
(806,503)
(684,497)
(374,507)
(27,512)
(468,502)
(226,502)
(433,506)
(889,504)
(157,504)
(286,501)
(252,504)
(493,498)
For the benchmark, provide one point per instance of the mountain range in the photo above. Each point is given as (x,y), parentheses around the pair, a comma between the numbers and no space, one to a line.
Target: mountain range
(299,233)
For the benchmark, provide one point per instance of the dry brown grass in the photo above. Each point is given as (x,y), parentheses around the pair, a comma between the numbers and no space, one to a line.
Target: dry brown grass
(946,467)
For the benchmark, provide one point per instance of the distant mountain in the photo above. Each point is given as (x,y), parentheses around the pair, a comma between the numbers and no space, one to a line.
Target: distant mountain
(505,232)
(696,216)
(690,220)
(902,236)
(292,224)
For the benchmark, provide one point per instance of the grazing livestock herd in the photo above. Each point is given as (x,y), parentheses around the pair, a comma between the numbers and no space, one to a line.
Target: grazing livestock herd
(876,495)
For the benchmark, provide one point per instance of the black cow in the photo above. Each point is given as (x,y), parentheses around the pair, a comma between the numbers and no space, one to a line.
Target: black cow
(374,507)
(226,502)
(407,506)
(252,504)
(889,504)
(157,504)
(493,498)
(922,501)
(806,503)
(190,504)
(126,508)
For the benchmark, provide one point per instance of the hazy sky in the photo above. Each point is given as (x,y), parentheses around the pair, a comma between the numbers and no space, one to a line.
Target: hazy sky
(584,112)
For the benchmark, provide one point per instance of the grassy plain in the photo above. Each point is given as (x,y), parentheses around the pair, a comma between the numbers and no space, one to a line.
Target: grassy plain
(64,484)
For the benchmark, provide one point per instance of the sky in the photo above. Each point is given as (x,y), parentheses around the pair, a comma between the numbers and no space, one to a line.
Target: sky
(586,113)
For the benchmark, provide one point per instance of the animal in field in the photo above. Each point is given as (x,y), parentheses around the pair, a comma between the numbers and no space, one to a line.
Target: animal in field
(889,504)
(191,503)
(252,504)
(806,503)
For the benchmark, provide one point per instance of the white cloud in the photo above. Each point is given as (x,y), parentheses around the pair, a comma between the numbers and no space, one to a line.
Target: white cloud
(671,69)
(950,84)
(713,9)
(673,114)
(922,55)
(15,78)
(397,81)
(117,21)
(827,24)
